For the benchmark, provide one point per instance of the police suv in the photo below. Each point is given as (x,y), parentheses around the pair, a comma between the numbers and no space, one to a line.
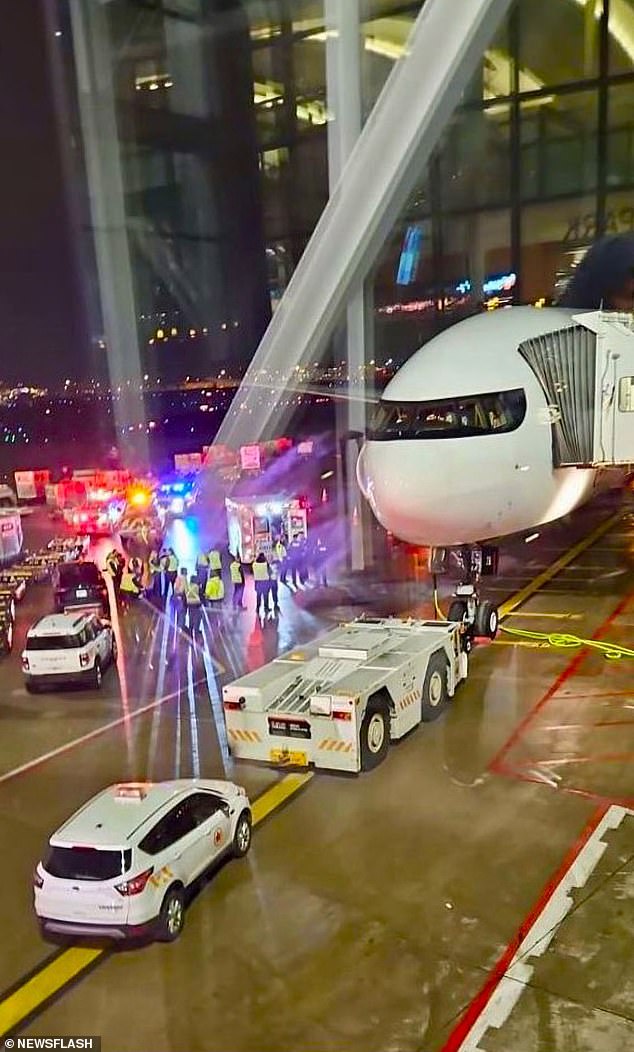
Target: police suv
(68,648)
(120,866)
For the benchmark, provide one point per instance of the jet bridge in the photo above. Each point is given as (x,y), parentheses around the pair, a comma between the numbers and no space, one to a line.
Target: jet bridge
(587,374)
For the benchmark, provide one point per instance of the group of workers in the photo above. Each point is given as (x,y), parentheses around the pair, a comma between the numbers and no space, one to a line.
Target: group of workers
(161,577)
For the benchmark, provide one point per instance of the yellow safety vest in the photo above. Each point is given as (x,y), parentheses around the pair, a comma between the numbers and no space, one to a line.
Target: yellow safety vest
(172,564)
(236,572)
(112,567)
(215,561)
(215,588)
(128,583)
(260,570)
(192,594)
(202,560)
(155,564)
(279,551)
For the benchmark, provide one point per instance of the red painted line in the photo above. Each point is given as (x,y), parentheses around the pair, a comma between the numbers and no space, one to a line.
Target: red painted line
(482,998)
(568,672)
(559,761)
(600,799)
(603,694)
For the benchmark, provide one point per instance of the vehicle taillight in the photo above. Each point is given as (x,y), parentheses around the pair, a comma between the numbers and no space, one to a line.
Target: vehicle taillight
(84,659)
(38,881)
(136,885)
(342,715)
(25,663)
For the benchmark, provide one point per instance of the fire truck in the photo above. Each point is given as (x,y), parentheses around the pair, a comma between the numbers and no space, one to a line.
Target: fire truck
(339,702)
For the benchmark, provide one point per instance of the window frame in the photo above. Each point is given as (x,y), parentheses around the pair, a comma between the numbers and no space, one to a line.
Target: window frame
(388,430)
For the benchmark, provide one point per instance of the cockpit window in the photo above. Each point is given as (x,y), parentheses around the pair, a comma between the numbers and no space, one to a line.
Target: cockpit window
(483,414)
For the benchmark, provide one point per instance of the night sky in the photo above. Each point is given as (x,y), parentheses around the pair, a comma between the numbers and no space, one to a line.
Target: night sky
(40,329)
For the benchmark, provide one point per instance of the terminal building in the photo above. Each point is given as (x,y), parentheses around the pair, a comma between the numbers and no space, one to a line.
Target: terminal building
(204,131)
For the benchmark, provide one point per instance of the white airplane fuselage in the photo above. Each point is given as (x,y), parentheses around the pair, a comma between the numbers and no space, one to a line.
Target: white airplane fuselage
(443,490)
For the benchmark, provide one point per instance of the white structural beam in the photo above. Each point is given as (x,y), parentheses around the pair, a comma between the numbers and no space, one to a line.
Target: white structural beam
(390,155)
(343,91)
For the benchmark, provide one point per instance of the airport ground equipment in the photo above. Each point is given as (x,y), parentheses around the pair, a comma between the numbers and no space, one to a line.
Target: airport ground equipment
(339,702)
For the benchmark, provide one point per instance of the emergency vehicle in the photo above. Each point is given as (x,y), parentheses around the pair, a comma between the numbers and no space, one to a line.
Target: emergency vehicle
(254,524)
(120,866)
(338,703)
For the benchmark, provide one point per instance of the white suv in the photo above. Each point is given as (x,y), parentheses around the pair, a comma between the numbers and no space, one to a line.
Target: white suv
(68,648)
(120,866)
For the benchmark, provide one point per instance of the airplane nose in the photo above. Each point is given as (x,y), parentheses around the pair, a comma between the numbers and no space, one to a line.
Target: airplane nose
(428,493)
(411,505)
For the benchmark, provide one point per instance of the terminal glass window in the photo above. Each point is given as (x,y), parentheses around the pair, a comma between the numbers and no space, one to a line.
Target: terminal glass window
(460,417)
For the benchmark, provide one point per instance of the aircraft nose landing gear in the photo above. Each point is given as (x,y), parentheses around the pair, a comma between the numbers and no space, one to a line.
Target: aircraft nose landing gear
(480,617)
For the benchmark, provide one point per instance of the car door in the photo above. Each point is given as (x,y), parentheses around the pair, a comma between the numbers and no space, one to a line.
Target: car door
(183,855)
(102,637)
(211,814)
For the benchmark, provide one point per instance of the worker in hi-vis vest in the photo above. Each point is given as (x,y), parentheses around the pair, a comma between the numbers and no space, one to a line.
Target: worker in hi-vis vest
(237,579)
(170,571)
(194,606)
(130,587)
(215,591)
(215,560)
(261,578)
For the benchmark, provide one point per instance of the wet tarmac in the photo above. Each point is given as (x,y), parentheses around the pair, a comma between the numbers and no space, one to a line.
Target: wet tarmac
(404,909)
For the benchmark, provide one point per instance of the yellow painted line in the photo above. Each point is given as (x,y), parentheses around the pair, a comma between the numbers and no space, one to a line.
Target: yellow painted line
(278,794)
(551,571)
(48,982)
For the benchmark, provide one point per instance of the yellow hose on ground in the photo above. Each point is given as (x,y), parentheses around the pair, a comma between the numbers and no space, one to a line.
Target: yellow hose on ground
(564,640)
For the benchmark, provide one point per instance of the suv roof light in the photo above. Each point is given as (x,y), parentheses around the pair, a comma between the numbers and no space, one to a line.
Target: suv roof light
(132,791)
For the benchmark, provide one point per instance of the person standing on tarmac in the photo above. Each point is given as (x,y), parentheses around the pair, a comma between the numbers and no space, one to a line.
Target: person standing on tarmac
(154,569)
(113,569)
(170,566)
(261,579)
(215,560)
(279,557)
(294,558)
(180,596)
(274,573)
(236,572)
(215,591)
(202,568)
(130,588)
(194,604)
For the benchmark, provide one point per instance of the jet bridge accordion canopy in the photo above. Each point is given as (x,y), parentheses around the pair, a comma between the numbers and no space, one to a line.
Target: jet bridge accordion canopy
(565,365)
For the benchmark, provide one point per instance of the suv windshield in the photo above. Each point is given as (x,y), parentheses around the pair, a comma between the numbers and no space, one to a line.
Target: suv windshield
(72,574)
(86,863)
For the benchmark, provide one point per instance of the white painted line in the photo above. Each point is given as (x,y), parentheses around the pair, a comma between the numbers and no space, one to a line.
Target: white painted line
(541,933)
(96,733)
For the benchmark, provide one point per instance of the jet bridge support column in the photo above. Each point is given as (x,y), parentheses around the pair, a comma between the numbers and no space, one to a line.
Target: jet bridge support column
(95,87)
(343,86)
